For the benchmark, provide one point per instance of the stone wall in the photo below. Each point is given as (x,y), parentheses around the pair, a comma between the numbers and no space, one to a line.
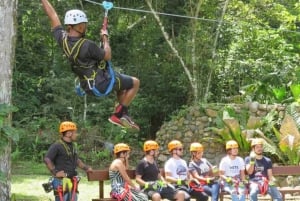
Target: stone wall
(193,125)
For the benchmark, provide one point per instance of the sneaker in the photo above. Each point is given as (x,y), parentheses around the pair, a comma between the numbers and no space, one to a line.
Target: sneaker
(128,123)
(115,120)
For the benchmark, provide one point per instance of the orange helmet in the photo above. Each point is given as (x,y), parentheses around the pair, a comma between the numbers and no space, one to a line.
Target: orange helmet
(121,147)
(150,145)
(257,141)
(196,146)
(231,144)
(67,126)
(174,144)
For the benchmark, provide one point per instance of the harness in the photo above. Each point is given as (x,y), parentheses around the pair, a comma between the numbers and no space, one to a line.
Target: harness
(72,54)
(263,185)
(196,186)
(66,185)
(121,196)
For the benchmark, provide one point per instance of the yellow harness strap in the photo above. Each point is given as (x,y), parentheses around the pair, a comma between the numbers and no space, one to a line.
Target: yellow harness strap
(74,51)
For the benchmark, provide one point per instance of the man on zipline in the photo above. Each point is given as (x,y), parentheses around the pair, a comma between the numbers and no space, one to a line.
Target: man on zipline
(91,63)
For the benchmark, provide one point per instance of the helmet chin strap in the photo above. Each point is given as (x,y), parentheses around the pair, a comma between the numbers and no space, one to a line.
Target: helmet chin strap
(82,33)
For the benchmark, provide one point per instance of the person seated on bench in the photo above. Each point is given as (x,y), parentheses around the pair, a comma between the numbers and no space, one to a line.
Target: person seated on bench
(149,177)
(176,172)
(232,172)
(202,170)
(122,188)
(259,168)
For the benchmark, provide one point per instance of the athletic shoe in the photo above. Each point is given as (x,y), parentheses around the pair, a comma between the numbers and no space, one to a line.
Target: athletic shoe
(115,120)
(128,123)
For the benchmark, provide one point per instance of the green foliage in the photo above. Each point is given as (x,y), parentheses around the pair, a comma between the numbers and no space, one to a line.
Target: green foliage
(257,52)
(229,128)
(7,132)
(284,146)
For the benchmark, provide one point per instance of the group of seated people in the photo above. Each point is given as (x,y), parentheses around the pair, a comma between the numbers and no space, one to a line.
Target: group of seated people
(197,179)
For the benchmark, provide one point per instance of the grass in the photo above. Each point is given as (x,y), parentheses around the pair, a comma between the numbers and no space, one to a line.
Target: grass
(28,177)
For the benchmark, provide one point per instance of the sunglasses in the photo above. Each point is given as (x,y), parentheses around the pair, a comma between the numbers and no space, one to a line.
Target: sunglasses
(179,149)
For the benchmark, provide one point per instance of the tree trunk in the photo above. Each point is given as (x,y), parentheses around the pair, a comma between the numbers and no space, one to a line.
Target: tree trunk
(7,58)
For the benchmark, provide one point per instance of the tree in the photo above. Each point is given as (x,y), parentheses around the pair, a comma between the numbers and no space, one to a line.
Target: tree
(7,46)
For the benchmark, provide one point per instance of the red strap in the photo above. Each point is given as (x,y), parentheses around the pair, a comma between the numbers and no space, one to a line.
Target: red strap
(60,192)
(196,187)
(263,187)
(121,196)
(75,183)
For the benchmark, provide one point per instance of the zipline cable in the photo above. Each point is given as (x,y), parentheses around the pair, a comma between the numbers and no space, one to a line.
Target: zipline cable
(159,13)
(180,16)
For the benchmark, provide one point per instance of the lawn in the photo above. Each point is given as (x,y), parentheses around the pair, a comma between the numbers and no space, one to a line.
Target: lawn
(28,177)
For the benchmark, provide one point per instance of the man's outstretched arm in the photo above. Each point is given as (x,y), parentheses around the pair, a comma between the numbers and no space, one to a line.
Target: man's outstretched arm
(50,11)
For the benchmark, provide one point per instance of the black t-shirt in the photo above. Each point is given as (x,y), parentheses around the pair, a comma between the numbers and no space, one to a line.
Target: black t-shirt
(64,157)
(90,53)
(148,171)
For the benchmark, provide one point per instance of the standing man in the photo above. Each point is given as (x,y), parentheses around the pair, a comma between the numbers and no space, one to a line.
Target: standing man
(149,178)
(176,172)
(89,62)
(259,169)
(232,172)
(62,160)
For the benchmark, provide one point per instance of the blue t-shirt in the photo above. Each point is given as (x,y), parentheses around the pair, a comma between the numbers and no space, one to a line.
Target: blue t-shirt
(261,168)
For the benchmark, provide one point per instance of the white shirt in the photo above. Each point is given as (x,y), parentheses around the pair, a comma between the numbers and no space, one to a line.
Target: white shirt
(177,167)
(232,167)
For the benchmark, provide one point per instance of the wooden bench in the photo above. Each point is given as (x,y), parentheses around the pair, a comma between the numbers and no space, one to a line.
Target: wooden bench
(293,170)
(101,176)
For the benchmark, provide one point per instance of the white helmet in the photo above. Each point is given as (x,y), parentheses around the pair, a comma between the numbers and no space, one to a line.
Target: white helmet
(75,17)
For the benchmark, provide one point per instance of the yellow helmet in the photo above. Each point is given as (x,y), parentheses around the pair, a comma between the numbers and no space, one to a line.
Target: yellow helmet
(257,141)
(67,126)
(121,147)
(231,144)
(196,146)
(150,145)
(174,144)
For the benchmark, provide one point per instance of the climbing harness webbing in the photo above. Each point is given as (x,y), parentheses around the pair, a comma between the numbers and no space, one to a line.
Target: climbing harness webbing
(72,54)
(121,196)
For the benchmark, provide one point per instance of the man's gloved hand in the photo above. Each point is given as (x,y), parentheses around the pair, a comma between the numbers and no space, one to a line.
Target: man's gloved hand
(181,182)
(272,182)
(229,180)
(210,179)
(252,157)
(150,185)
(215,170)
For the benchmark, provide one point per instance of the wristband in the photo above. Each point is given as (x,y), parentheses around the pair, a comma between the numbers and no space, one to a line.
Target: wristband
(228,179)
(207,180)
(146,185)
(179,182)
(252,162)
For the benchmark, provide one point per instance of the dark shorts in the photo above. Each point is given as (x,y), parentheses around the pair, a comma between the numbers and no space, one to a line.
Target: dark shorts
(165,193)
(123,82)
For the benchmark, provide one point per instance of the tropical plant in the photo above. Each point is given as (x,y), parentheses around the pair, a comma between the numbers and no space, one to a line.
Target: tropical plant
(229,128)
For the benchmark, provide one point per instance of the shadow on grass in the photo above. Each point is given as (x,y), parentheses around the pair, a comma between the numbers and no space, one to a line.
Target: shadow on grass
(21,197)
